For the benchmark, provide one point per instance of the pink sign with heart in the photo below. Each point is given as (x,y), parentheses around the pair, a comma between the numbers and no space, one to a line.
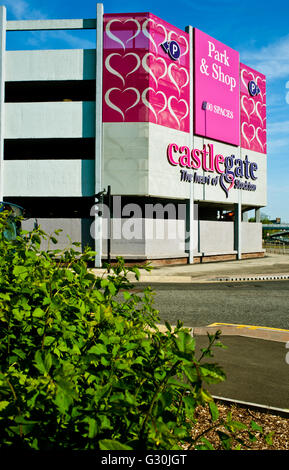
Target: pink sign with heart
(253,110)
(141,82)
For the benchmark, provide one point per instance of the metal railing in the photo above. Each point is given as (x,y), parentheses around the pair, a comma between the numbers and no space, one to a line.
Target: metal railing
(276,247)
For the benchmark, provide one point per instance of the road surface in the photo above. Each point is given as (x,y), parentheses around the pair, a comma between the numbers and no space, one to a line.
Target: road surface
(262,303)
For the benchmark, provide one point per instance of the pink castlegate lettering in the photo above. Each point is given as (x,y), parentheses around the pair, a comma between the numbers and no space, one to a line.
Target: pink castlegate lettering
(171,148)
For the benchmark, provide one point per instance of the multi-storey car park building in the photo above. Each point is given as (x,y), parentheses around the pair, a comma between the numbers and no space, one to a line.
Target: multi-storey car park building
(170,121)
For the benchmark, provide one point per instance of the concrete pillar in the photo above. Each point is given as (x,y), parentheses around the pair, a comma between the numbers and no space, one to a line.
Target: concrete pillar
(2,94)
(190,212)
(237,229)
(245,217)
(98,132)
(190,226)
(258,214)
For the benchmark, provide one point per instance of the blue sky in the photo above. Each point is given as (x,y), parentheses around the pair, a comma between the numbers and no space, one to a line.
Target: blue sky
(257,29)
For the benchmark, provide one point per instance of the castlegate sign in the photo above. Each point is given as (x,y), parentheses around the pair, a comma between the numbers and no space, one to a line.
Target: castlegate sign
(229,172)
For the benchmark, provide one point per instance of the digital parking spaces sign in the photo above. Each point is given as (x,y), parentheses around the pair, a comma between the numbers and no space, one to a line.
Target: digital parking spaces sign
(216,90)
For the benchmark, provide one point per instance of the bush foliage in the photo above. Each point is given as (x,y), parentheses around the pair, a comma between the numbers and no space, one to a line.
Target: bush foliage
(83,364)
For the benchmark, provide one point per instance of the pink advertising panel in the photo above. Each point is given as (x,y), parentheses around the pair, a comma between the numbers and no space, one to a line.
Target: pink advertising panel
(216,97)
(142,78)
(253,109)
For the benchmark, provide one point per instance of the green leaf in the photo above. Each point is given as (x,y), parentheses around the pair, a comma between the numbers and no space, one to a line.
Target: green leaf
(184,342)
(109,444)
(38,313)
(206,397)
(127,295)
(206,446)
(48,340)
(47,362)
(225,439)
(39,362)
(20,271)
(235,426)
(65,395)
(4,296)
(212,373)
(168,326)
(252,437)
(256,427)
(191,373)
(104,283)
(3,404)
(62,401)
(137,273)
(269,438)
(105,422)
(98,349)
(214,410)
(69,275)
(92,428)
(19,353)
(112,288)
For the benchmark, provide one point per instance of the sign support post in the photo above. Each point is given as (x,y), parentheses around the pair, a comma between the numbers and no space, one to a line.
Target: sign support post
(190,212)
(2,86)
(98,132)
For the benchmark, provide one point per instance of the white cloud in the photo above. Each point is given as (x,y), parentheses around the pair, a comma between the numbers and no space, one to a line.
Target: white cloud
(279,127)
(271,60)
(22,10)
(72,40)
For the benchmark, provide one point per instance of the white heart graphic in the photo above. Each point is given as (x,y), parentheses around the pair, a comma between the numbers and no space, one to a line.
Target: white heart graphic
(165,33)
(257,136)
(244,97)
(114,71)
(248,140)
(172,111)
(116,108)
(262,80)
(149,105)
(147,34)
(174,81)
(243,80)
(137,31)
(258,113)
(148,69)
(116,38)
(179,37)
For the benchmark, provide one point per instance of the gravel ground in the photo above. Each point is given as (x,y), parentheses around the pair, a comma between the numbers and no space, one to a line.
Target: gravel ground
(271,423)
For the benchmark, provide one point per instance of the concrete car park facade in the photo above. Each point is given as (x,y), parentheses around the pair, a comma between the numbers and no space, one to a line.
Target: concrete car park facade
(165,118)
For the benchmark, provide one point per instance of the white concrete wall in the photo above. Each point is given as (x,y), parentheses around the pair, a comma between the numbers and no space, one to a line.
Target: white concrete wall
(164,238)
(216,237)
(49,120)
(251,236)
(163,178)
(77,229)
(48,178)
(70,64)
(146,238)
(127,237)
(125,159)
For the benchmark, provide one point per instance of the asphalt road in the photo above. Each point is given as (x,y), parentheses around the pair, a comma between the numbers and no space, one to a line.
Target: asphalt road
(259,303)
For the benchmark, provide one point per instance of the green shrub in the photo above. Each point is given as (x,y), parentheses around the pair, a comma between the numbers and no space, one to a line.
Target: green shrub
(83,364)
